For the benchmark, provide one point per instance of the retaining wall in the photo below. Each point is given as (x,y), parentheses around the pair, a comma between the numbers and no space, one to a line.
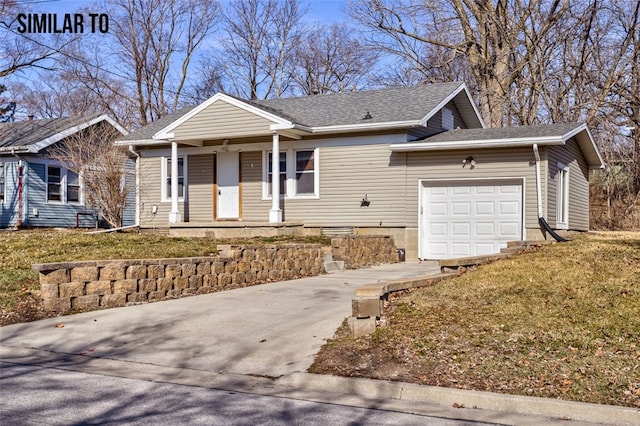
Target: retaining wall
(89,285)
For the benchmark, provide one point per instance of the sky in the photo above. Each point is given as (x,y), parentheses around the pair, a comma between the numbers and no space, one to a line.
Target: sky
(320,11)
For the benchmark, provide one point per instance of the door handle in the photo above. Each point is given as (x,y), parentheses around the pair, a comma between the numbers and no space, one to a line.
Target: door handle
(219,192)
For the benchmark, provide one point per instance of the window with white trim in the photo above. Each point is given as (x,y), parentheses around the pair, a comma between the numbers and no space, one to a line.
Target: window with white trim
(2,182)
(63,186)
(562,197)
(298,173)
(166,178)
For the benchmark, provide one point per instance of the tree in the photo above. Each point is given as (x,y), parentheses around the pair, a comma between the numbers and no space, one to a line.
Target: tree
(331,59)
(148,55)
(260,36)
(103,168)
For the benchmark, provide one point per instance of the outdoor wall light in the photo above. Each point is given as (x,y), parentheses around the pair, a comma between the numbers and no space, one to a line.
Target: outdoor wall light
(154,209)
(469,160)
(365,201)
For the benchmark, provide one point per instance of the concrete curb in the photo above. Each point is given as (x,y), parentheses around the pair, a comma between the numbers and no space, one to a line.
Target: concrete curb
(516,404)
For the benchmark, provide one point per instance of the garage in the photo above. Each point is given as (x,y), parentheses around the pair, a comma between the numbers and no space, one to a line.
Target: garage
(469,218)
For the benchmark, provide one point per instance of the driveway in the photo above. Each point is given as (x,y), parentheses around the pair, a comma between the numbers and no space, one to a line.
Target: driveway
(266,330)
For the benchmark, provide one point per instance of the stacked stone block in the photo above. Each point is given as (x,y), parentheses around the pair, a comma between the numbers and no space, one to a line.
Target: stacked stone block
(92,285)
(359,251)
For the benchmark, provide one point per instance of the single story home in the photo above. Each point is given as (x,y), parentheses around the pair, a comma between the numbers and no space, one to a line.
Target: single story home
(36,190)
(416,163)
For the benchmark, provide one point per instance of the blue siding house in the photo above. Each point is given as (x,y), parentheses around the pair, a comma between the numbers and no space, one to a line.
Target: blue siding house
(35,189)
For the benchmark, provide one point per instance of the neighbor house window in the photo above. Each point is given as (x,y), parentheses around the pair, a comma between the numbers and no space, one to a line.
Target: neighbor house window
(2,180)
(562,197)
(63,186)
(73,187)
(54,183)
(298,173)
(166,171)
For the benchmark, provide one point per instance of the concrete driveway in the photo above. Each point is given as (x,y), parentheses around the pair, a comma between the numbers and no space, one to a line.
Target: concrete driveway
(266,330)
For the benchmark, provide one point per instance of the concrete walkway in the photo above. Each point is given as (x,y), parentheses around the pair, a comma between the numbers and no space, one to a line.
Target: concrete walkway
(265,330)
(243,339)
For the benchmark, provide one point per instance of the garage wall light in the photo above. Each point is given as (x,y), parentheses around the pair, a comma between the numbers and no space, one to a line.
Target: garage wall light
(469,160)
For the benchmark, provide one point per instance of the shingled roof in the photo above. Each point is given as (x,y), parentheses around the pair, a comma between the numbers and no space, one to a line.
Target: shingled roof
(33,135)
(509,133)
(382,106)
(392,106)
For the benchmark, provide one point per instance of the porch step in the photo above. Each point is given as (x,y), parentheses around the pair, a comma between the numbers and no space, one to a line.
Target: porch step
(331,265)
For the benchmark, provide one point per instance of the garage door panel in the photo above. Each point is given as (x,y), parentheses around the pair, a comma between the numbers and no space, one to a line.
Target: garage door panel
(461,229)
(470,218)
(461,208)
(485,229)
(485,208)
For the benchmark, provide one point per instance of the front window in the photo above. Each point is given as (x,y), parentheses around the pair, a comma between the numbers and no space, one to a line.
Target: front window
(73,187)
(283,173)
(298,173)
(166,193)
(305,173)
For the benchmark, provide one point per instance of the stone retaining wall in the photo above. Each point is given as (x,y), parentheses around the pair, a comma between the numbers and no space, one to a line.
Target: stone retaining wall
(111,283)
(358,251)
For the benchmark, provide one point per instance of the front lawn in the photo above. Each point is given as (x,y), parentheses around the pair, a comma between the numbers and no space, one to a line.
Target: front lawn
(19,286)
(560,322)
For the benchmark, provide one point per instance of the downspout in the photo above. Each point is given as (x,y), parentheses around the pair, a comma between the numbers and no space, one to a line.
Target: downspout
(541,220)
(132,149)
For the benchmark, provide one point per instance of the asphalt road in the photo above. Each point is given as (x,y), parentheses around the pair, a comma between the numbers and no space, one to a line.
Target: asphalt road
(34,395)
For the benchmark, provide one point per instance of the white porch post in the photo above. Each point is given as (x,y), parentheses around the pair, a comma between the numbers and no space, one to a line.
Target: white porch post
(275,214)
(174,214)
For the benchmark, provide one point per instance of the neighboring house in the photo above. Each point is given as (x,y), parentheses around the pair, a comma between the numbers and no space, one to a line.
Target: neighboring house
(416,163)
(36,190)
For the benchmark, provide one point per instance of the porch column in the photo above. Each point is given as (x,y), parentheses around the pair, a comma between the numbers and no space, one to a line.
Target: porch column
(174,214)
(275,214)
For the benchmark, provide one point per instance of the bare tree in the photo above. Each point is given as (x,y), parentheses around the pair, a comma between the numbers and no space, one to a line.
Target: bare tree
(103,168)
(260,36)
(331,59)
(148,56)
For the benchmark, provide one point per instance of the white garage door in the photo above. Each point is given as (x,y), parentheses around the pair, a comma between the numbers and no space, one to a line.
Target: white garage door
(460,219)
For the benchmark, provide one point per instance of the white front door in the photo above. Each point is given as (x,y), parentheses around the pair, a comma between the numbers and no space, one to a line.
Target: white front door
(228,185)
(461,219)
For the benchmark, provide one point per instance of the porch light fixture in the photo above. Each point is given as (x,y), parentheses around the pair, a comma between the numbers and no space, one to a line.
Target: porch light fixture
(469,160)
(365,201)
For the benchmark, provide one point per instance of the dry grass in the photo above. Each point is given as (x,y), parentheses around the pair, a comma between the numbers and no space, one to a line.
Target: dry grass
(19,286)
(561,322)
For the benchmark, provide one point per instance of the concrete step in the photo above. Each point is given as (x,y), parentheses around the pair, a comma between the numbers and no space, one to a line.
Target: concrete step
(334,266)
(471,261)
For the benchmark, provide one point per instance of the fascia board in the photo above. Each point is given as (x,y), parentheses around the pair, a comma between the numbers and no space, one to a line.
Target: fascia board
(142,142)
(590,145)
(481,144)
(167,132)
(365,126)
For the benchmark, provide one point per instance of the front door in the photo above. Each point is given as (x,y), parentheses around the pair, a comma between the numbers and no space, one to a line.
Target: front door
(228,185)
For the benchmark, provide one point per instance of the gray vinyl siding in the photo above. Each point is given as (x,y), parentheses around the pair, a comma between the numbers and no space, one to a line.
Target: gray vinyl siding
(200,187)
(570,155)
(490,164)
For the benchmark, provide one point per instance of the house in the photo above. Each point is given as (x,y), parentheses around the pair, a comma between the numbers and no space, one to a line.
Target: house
(35,189)
(416,163)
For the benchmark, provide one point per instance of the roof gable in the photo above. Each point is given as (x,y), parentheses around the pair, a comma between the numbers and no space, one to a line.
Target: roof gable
(32,136)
